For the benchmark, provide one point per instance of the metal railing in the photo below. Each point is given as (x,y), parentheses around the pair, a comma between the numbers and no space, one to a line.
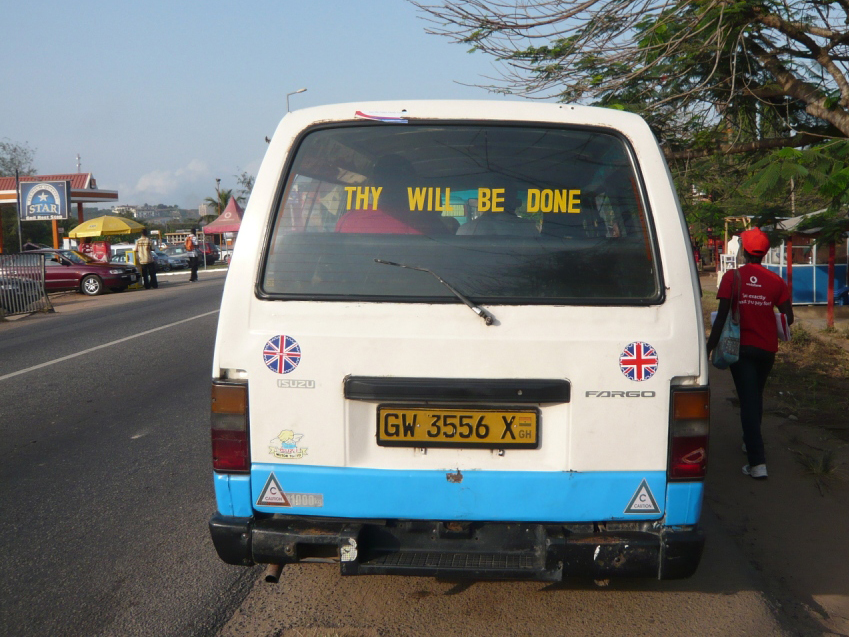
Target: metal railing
(22,284)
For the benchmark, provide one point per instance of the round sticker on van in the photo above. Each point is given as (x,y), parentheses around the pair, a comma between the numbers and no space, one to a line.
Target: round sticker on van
(281,354)
(638,361)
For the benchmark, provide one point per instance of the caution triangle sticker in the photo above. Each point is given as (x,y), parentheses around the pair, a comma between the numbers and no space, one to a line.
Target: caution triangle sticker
(643,500)
(272,494)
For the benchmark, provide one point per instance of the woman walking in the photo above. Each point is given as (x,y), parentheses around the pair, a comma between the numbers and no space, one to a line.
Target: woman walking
(756,292)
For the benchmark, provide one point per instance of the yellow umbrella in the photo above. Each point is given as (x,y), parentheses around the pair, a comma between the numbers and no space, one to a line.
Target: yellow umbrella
(102,226)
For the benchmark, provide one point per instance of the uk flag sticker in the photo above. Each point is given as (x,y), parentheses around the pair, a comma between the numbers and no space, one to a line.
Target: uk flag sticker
(638,361)
(281,354)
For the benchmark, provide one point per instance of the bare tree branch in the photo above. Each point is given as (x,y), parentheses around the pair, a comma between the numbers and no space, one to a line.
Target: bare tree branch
(738,66)
(797,141)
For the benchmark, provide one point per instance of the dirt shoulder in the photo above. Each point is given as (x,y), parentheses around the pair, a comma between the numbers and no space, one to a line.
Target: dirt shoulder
(793,526)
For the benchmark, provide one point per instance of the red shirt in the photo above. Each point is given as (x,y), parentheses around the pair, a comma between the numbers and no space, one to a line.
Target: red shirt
(760,290)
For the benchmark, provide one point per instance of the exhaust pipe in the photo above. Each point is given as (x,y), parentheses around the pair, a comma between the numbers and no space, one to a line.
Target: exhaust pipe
(272,573)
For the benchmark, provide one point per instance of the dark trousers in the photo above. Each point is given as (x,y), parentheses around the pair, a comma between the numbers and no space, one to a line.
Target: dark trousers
(750,374)
(193,264)
(149,275)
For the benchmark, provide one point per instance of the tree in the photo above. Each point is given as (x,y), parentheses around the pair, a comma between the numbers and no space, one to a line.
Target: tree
(709,76)
(15,156)
(756,184)
(220,201)
(246,182)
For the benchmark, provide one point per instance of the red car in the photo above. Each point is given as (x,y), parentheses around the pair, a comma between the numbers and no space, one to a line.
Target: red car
(209,251)
(71,270)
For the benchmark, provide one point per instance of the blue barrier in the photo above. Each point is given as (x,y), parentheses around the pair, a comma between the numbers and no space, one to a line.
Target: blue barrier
(810,282)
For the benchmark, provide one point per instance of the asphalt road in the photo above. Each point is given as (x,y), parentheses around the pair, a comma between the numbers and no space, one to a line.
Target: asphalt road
(105,472)
(106,489)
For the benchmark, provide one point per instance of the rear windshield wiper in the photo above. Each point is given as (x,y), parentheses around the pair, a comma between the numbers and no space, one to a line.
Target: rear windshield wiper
(477,309)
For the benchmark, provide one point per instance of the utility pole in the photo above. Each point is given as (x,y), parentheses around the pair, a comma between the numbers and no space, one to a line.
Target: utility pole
(218,207)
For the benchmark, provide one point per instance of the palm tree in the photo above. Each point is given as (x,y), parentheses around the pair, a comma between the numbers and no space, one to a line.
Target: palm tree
(220,201)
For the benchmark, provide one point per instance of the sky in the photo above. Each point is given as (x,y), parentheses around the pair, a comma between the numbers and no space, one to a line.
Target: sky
(159,98)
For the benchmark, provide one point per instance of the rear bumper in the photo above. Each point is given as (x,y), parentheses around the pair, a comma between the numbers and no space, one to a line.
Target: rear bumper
(475,550)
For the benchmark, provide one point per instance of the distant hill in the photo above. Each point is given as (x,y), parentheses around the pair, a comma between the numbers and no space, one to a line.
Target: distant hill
(159,214)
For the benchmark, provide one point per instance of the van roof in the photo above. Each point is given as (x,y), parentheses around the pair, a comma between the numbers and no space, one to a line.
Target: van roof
(398,110)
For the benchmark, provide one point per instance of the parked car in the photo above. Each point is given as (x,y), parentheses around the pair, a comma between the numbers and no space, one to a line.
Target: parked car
(167,262)
(177,251)
(119,252)
(71,270)
(164,263)
(224,253)
(210,251)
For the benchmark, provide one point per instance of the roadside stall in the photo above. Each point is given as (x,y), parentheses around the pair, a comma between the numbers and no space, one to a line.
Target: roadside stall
(101,227)
(227,225)
(799,260)
(809,262)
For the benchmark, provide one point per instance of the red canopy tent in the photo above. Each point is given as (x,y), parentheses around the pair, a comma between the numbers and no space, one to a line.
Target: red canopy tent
(227,221)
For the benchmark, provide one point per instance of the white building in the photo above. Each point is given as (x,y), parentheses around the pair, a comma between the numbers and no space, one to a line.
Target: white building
(123,210)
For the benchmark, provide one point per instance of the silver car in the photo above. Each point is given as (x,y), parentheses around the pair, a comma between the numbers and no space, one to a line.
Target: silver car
(167,262)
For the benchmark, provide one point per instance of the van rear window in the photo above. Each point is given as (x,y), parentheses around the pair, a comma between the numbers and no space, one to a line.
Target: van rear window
(504,213)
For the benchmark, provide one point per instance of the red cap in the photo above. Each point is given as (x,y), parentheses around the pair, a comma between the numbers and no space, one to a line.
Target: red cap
(755,242)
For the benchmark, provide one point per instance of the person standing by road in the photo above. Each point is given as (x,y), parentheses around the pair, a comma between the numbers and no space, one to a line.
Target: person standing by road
(192,251)
(148,266)
(760,291)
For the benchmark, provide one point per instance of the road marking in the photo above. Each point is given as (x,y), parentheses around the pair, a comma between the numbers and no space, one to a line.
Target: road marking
(94,349)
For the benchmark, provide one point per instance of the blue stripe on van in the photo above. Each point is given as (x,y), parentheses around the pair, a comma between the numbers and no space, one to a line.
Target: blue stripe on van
(233,494)
(684,503)
(480,495)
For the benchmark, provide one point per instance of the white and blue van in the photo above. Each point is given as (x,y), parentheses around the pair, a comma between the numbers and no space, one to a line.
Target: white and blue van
(462,338)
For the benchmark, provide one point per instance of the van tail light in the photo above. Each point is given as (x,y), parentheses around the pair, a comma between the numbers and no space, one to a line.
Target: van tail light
(689,430)
(230,450)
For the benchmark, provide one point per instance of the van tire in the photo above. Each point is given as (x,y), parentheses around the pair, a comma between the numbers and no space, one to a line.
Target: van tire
(91,285)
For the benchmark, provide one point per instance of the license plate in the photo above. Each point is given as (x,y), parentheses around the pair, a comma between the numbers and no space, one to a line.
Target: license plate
(403,426)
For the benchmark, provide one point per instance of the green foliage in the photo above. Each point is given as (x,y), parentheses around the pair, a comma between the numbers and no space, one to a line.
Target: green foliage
(822,170)
(220,200)
(33,231)
(719,186)
(704,217)
(245,181)
(772,175)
